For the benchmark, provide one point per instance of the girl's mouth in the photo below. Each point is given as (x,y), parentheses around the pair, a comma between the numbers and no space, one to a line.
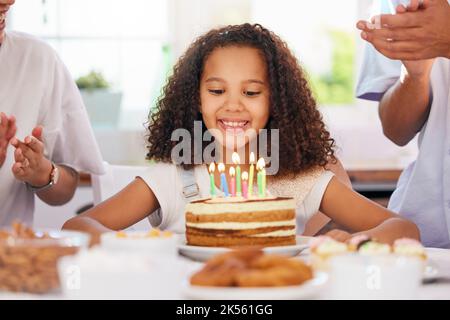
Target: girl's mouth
(233,126)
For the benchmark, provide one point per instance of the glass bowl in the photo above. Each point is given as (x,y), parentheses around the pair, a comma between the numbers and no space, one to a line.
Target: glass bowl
(28,263)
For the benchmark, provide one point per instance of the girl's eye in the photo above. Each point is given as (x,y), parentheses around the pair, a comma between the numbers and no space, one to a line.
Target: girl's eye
(251,93)
(216,91)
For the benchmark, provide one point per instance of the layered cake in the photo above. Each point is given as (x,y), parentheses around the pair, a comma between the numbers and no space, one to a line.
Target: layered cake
(236,221)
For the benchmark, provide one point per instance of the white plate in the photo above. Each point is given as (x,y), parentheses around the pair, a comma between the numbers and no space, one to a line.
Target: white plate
(308,290)
(204,253)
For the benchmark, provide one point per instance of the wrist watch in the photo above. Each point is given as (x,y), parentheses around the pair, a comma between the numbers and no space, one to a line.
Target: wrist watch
(54,177)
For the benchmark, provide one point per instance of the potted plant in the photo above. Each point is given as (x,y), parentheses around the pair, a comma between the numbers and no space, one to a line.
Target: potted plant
(102,104)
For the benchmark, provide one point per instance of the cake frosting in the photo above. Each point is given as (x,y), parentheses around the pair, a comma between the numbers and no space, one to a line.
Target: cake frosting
(355,243)
(236,221)
(409,247)
(374,248)
(323,248)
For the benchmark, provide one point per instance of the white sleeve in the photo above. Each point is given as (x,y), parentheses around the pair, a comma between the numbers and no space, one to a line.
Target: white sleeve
(377,73)
(162,179)
(312,202)
(68,135)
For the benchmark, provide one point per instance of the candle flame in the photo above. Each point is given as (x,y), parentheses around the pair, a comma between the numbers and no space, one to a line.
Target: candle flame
(232,173)
(260,164)
(252,158)
(221,167)
(244,175)
(235,157)
(212,167)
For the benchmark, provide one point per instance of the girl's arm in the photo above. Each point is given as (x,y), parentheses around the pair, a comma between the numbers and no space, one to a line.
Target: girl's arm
(129,206)
(361,215)
(319,222)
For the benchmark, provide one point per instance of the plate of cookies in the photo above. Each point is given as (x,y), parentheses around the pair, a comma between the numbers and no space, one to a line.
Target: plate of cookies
(251,274)
(201,253)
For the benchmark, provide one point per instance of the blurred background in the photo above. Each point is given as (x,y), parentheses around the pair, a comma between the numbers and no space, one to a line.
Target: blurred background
(120,53)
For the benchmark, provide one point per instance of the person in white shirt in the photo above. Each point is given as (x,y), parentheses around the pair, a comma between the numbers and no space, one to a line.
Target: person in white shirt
(414,96)
(45,135)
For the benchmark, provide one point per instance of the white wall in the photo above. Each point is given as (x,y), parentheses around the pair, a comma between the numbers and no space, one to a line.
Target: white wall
(190,19)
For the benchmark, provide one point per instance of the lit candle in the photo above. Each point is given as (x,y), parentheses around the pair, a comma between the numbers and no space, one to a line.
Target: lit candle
(252,169)
(244,184)
(261,177)
(236,161)
(232,182)
(223,179)
(258,181)
(212,183)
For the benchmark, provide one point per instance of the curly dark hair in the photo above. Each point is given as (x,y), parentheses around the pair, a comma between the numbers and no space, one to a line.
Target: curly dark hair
(304,140)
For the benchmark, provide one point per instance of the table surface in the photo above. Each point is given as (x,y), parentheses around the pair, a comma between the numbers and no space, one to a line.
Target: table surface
(439,258)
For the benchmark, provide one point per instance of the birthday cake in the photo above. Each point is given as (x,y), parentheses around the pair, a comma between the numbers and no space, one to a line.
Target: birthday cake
(237,221)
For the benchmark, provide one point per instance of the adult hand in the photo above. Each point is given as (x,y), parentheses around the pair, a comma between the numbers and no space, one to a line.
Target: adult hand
(7,131)
(415,68)
(4,7)
(413,33)
(30,164)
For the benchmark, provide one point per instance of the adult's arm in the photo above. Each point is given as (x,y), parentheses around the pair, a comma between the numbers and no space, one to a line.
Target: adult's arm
(405,107)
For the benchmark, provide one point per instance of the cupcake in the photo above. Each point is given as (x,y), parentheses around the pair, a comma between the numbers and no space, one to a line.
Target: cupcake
(374,248)
(357,241)
(409,247)
(322,249)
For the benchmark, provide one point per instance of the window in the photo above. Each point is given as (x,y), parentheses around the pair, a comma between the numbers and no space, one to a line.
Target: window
(135,43)
(125,41)
(322,35)
(324,38)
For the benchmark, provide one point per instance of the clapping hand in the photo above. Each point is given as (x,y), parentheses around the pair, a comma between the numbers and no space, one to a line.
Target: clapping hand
(30,164)
(7,131)
(417,32)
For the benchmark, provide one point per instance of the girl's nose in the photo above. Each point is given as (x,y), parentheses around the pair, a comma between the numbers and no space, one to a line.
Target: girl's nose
(234,105)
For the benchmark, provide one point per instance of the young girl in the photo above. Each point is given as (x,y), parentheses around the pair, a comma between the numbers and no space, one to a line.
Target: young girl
(235,80)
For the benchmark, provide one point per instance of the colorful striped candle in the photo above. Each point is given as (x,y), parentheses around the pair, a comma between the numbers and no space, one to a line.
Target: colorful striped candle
(245,184)
(250,178)
(223,179)
(236,160)
(212,183)
(261,177)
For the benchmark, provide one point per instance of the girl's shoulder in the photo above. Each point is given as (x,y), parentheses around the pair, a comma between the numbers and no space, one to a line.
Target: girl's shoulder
(167,169)
(296,185)
(158,169)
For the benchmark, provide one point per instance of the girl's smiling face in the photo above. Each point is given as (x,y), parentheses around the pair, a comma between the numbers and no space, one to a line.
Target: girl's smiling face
(234,94)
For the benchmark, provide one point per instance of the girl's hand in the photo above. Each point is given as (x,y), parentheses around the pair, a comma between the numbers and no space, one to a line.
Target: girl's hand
(339,235)
(30,164)
(7,131)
